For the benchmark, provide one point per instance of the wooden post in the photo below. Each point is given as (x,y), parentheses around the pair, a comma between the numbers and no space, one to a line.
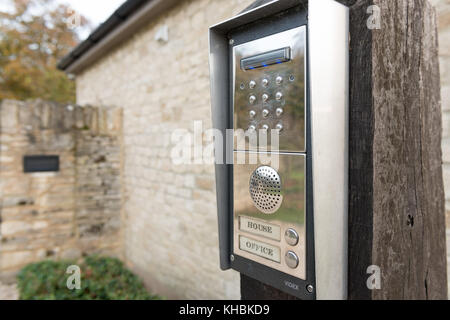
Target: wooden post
(396,213)
(396,193)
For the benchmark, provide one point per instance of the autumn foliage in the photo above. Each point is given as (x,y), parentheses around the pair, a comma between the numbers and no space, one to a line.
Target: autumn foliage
(34,36)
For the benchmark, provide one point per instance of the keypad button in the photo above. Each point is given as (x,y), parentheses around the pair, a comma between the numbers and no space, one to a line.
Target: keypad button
(252,99)
(291,259)
(252,84)
(265,113)
(265,127)
(252,113)
(251,128)
(279,112)
(279,96)
(279,127)
(265,82)
(265,97)
(279,80)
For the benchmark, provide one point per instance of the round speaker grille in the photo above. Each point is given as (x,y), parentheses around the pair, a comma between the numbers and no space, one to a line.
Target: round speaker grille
(265,189)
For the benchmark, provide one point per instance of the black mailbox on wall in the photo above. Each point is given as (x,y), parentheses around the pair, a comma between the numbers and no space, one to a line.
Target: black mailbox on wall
(32,164)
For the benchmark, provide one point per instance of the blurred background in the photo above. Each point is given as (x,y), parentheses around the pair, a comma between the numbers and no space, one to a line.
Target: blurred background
(90,94)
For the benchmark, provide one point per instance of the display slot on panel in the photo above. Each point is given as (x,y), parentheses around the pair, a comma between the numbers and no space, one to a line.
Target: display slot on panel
(266,59)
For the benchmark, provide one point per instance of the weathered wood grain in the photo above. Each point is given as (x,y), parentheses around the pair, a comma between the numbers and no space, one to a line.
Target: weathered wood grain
(360,153)
(408,194)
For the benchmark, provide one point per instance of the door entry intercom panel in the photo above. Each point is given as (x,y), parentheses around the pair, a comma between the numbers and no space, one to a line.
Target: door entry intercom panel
(269,81)
(269,200)
(279,82)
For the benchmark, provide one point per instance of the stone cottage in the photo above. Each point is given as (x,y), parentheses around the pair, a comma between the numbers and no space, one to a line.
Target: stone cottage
(149,64)
(151,60)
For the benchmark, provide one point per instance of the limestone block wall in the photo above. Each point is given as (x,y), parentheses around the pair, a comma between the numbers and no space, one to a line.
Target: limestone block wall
(65,214)
(170,214)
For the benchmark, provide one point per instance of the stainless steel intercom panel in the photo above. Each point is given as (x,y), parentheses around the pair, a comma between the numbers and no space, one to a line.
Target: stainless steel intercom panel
(279,82)
(269,203)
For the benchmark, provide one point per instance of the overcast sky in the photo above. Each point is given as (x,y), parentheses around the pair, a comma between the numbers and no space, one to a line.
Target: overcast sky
(97,11)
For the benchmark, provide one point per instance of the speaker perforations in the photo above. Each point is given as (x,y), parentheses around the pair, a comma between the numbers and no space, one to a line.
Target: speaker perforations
(265,189)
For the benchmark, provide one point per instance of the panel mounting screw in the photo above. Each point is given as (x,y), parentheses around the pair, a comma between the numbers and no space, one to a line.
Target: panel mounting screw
(310,289)
(231,41)
(232,258)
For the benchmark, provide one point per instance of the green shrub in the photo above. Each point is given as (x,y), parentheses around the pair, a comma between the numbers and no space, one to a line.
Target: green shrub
(101,279)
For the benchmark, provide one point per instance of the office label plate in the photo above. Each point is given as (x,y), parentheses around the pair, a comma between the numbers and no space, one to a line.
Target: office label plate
(259,248)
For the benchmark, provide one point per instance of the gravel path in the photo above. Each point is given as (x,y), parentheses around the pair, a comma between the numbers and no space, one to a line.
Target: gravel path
(8,292)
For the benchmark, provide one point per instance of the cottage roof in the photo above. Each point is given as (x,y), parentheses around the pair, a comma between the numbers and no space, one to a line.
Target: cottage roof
(119,27)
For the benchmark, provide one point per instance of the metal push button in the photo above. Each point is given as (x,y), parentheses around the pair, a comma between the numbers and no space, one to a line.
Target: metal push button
(279,112)
(279,80)
(279,127)
(291,236)
(291,260)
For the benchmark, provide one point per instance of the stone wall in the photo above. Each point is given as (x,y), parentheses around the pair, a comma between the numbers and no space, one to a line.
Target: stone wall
(170,227)
(64,214)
